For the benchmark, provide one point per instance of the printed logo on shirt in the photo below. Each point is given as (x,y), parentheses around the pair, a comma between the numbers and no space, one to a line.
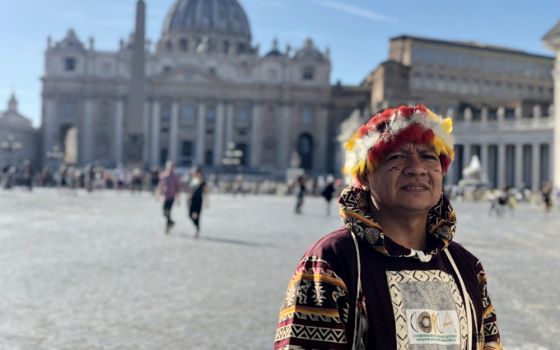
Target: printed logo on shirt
(426,326)
(429,310)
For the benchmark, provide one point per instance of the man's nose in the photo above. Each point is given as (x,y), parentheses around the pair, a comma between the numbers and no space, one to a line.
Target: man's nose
(415,167)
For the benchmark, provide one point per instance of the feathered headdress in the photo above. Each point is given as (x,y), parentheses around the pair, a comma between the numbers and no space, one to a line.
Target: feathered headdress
(389,129)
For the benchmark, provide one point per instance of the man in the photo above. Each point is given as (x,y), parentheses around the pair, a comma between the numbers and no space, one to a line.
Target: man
(391,278)
(169,188)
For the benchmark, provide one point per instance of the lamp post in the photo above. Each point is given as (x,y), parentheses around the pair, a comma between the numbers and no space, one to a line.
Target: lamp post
(55,153)
(232,155)
(10,145)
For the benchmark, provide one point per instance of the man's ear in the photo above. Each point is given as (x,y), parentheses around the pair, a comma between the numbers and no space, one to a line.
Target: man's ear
(363,180)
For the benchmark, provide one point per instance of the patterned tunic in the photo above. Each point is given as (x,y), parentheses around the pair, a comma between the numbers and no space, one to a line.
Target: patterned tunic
(395,301)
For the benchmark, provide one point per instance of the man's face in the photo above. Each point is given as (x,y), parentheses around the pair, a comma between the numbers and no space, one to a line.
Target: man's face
(407,180)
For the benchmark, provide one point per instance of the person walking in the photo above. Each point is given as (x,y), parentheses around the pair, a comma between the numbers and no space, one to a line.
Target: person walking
(300,189)
(328,192)
(547,198)
(391,278)
(169,188)
(197,195)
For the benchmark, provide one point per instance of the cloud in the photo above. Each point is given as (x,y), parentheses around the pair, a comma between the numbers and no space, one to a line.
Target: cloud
(354,10)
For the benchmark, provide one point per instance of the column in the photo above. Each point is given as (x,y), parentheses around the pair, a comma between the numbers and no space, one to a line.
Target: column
(536,160)
(173,132)
(519,166)
(147,138)
(484,163)
(285,137)
(256,132)
(230,122)
(466,155)
(555,151)
(219,134)
(119,127)
(321,139)
(501,165)
(200,134)
(484,115)
(155,133)
(86,137)
(50,131)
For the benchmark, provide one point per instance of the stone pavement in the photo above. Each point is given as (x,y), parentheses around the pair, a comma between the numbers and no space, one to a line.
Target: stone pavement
(95,271)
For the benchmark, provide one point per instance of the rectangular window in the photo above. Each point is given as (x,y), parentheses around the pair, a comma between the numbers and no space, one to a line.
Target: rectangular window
(165,112)
(163,153)
(244,114)
(209,157)
(188,113)
(307,115)
(69,64)
(187,149)
(69,110)
(307,73)
(210,114)
(186,153)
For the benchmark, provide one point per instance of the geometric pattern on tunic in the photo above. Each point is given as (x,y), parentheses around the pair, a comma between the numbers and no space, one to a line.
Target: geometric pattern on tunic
(311,333)
(491,334)
(396,281)
(315,309)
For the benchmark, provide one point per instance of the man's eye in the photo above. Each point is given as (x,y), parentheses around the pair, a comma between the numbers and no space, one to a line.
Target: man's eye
(395,157)
(431,157)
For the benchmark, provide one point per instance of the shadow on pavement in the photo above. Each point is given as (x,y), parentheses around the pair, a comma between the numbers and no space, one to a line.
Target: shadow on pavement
(224,240)
(235,241)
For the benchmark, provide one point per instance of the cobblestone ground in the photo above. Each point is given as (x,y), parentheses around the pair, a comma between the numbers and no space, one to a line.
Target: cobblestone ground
(95,271)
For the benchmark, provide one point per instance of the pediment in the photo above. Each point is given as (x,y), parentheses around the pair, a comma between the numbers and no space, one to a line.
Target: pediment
(552,39)
(15,120)
(188,75)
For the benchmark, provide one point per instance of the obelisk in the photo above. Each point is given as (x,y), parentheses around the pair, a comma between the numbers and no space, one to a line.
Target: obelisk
(134,120)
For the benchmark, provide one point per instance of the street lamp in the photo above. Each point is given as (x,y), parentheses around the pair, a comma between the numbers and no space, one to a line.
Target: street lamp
(55,153)
(232,156)
(10,145)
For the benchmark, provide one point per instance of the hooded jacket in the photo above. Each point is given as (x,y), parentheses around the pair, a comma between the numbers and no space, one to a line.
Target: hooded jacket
(358,289)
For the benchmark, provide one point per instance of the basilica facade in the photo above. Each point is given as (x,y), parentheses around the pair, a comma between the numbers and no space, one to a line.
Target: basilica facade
(203,94)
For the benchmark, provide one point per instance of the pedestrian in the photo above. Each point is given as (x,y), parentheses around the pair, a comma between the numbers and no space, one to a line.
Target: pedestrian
(137,180)
(169,188)
(498,201)
(328,192)
(547,198)
(197,195)
(28,175)
(154,179)
(300,189)
(391,278)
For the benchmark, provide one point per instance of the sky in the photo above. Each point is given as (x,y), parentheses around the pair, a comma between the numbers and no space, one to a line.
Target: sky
(357,32)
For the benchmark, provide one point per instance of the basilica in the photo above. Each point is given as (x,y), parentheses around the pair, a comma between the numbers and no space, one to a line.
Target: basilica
(205,95)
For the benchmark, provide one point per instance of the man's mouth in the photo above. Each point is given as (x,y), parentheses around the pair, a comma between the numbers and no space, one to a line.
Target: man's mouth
(415,188)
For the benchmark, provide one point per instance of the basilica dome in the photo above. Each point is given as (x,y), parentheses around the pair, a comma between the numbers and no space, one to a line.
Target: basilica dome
(208,17)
